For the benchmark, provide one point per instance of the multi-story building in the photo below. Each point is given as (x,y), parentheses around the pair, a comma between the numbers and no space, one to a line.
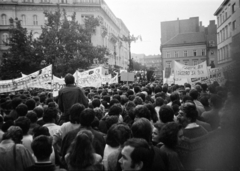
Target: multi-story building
(228,32)
(188,42)
(30,12)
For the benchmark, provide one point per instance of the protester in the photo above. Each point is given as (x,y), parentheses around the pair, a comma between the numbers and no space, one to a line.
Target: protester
(13,155)
(70,95)
(187,118)
(136,155)
(42,149)
(81,154)
(113,113)
(171,133)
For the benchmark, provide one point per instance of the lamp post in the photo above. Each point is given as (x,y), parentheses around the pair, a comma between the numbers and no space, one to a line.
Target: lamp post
(129,39)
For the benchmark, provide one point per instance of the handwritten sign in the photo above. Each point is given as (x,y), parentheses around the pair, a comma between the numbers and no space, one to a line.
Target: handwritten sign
(216,74)
(185,71)
(38,79)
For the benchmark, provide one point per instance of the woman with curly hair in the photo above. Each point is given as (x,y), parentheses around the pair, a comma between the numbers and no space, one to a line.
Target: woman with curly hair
(81,155)
(171,133)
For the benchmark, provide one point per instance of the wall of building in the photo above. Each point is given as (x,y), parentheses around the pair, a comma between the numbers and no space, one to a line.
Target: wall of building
(169,29)
(224,33)
(190,59)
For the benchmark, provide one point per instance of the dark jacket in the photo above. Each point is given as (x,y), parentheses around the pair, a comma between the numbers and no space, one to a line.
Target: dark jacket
(70,95)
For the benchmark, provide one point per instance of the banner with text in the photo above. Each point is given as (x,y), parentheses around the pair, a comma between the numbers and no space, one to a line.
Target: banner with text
(58,83)
(216,74)
(90,78)
(38,79)
(186,71)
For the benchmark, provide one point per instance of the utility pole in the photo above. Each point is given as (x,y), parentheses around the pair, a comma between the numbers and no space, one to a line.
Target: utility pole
(129,39)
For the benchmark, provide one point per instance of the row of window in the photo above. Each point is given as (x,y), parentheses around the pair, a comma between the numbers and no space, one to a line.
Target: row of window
(224,15)
(45,1)
(226,31)
(185,62)
(185,53)
(224,53)
(4,20)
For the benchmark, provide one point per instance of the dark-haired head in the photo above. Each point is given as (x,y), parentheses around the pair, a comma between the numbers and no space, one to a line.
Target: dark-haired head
(22,109)
(69,79)
(142,111)
(166,114)
(42,147)
(75,112)
(24,124)
(115,110)
(117,134)
(30,104)
(142,128)
(87,116)
(169,134)
(50,115)
(81,150)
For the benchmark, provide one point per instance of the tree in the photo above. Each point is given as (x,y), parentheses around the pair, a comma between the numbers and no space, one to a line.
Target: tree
(66,44)
(21,56)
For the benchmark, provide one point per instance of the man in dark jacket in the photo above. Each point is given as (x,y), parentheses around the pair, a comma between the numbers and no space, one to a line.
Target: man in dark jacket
(70,95)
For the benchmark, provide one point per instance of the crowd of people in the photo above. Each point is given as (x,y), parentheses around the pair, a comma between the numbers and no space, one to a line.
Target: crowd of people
(137,126)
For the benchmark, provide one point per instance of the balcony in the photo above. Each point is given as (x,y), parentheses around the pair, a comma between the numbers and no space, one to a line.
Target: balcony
(4,27)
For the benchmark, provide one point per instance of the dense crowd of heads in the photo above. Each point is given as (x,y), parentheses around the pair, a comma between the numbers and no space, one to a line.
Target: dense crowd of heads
(140,116)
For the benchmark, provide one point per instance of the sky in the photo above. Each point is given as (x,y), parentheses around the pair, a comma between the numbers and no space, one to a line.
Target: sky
(144,17)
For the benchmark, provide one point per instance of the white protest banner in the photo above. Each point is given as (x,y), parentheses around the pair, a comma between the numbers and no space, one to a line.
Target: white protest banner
(39,79)
(171,80)
(186,71)
(89,78)
(106,78)
(58,83)
(90,71)
(216,74)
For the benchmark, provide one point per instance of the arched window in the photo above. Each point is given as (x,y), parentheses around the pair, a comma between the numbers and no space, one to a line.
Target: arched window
(35,20)
(4,19)
(5,38)
(23,17)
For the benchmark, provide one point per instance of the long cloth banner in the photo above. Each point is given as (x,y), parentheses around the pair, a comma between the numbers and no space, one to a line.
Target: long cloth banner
(38,79)
(186,71)
(44,79)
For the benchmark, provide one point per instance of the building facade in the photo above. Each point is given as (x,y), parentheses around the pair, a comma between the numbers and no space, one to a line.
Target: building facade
(188,42)
(30,12)
(228,32)
(153,61)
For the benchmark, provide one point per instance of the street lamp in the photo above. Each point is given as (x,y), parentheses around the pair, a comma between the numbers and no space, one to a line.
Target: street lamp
(129,39)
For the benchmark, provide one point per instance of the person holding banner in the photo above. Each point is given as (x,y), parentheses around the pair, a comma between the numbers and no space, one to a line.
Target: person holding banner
(70,95)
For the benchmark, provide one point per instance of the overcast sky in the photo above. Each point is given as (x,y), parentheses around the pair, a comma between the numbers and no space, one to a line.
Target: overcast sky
(143,17)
